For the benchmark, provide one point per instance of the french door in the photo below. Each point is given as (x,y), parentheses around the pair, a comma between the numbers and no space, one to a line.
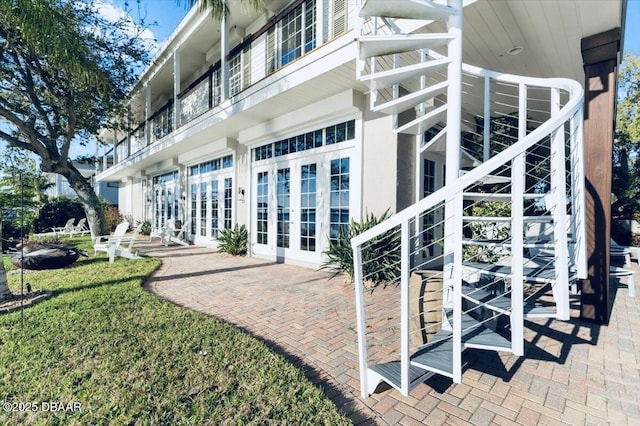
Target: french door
(211,205)
(298,205)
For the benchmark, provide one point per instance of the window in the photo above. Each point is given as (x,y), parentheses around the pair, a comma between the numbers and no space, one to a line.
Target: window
(292,37)
(214,209)
(339,198)
(194,207)
(235,75)
(337,133)
(228,199)
(308,208)
(240,72)
(284,198)
(262,223)
(203,209)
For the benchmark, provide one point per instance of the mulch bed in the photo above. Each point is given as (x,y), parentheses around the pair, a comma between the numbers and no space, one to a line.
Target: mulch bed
(16,302)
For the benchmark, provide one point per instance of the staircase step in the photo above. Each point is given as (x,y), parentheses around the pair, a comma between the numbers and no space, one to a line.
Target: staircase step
(406,9)
(502,219)
(507,243)
(480,296)
(506,197)
(378,45)
(437,356)
(390,372)
(406,102)
(542,274)
(490,179)
(426,121)
(390,77)
(502,303)
(539,311)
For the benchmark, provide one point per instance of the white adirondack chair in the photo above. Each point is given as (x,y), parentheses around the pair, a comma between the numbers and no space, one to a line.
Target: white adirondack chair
(117,244)
(80,228)
(175,234)
(66,229)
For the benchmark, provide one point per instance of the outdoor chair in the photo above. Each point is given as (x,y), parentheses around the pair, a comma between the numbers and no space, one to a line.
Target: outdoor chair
(157,233)
(175,232)
(80,228)
(66,229)
(618,272)
(627,252)
(117,244)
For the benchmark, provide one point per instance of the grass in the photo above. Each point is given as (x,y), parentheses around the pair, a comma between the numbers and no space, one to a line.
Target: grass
(127,357)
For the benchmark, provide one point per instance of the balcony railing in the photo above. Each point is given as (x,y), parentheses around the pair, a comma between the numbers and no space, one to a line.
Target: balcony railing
(286,37)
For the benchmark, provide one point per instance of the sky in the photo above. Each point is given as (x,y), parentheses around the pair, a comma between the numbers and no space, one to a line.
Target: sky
(632,27)
(161,16)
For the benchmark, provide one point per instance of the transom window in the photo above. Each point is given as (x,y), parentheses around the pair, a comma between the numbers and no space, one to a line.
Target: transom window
(211,166)
(330,135)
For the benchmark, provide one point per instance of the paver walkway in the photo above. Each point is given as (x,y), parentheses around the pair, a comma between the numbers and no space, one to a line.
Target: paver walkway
(574,373)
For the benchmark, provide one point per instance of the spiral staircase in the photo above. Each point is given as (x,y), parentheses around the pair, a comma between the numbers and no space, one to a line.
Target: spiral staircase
(503,239)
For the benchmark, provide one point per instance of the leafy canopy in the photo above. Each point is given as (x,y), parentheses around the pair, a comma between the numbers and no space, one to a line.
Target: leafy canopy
(64,70)
(626,149)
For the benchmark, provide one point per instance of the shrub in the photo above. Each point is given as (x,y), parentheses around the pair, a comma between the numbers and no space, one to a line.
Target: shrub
(112,217)
(145,229)
(56,212)
(11,234)
(380,257)
(233,241)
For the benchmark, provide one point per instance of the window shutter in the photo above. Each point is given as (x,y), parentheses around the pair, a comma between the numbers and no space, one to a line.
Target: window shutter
(246,67)
(339,17)
(271,50)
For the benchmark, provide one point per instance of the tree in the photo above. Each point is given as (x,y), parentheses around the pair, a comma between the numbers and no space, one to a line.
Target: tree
(13,163)
(218,8)
(626,148)
(64,73)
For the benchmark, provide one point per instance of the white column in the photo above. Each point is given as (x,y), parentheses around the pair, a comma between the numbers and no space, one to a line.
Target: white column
(176,89)
(454,93)
(147,114)
(115,147)
(224,50)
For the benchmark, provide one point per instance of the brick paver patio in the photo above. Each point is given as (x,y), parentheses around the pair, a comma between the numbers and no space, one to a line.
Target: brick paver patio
(574,373)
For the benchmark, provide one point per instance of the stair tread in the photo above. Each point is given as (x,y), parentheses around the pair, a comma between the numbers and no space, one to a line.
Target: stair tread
(425,121)
(437,356)
(507,243)
(497,196)
(405,102)
(535,274)
(378,45)
(526,219)
(403,9)
(499,303)
(390,77)
(391,371)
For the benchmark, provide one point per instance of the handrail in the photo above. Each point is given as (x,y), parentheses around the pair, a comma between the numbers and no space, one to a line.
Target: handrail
(573,105)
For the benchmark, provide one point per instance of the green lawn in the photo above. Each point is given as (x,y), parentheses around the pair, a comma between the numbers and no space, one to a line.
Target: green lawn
(123,356)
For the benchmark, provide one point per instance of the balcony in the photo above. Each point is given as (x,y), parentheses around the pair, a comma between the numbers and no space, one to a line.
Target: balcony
(164,104)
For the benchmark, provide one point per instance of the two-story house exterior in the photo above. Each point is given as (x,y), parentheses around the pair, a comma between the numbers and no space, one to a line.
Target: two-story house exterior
(261,120)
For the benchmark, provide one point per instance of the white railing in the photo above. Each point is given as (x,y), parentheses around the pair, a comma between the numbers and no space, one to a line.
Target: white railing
(532,189)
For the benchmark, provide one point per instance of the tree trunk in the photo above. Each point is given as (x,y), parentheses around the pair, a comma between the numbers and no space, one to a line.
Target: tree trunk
(90,201)
(4,286)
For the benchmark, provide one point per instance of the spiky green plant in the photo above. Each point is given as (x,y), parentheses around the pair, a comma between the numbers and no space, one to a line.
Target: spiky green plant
(380,256)
(233,241)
